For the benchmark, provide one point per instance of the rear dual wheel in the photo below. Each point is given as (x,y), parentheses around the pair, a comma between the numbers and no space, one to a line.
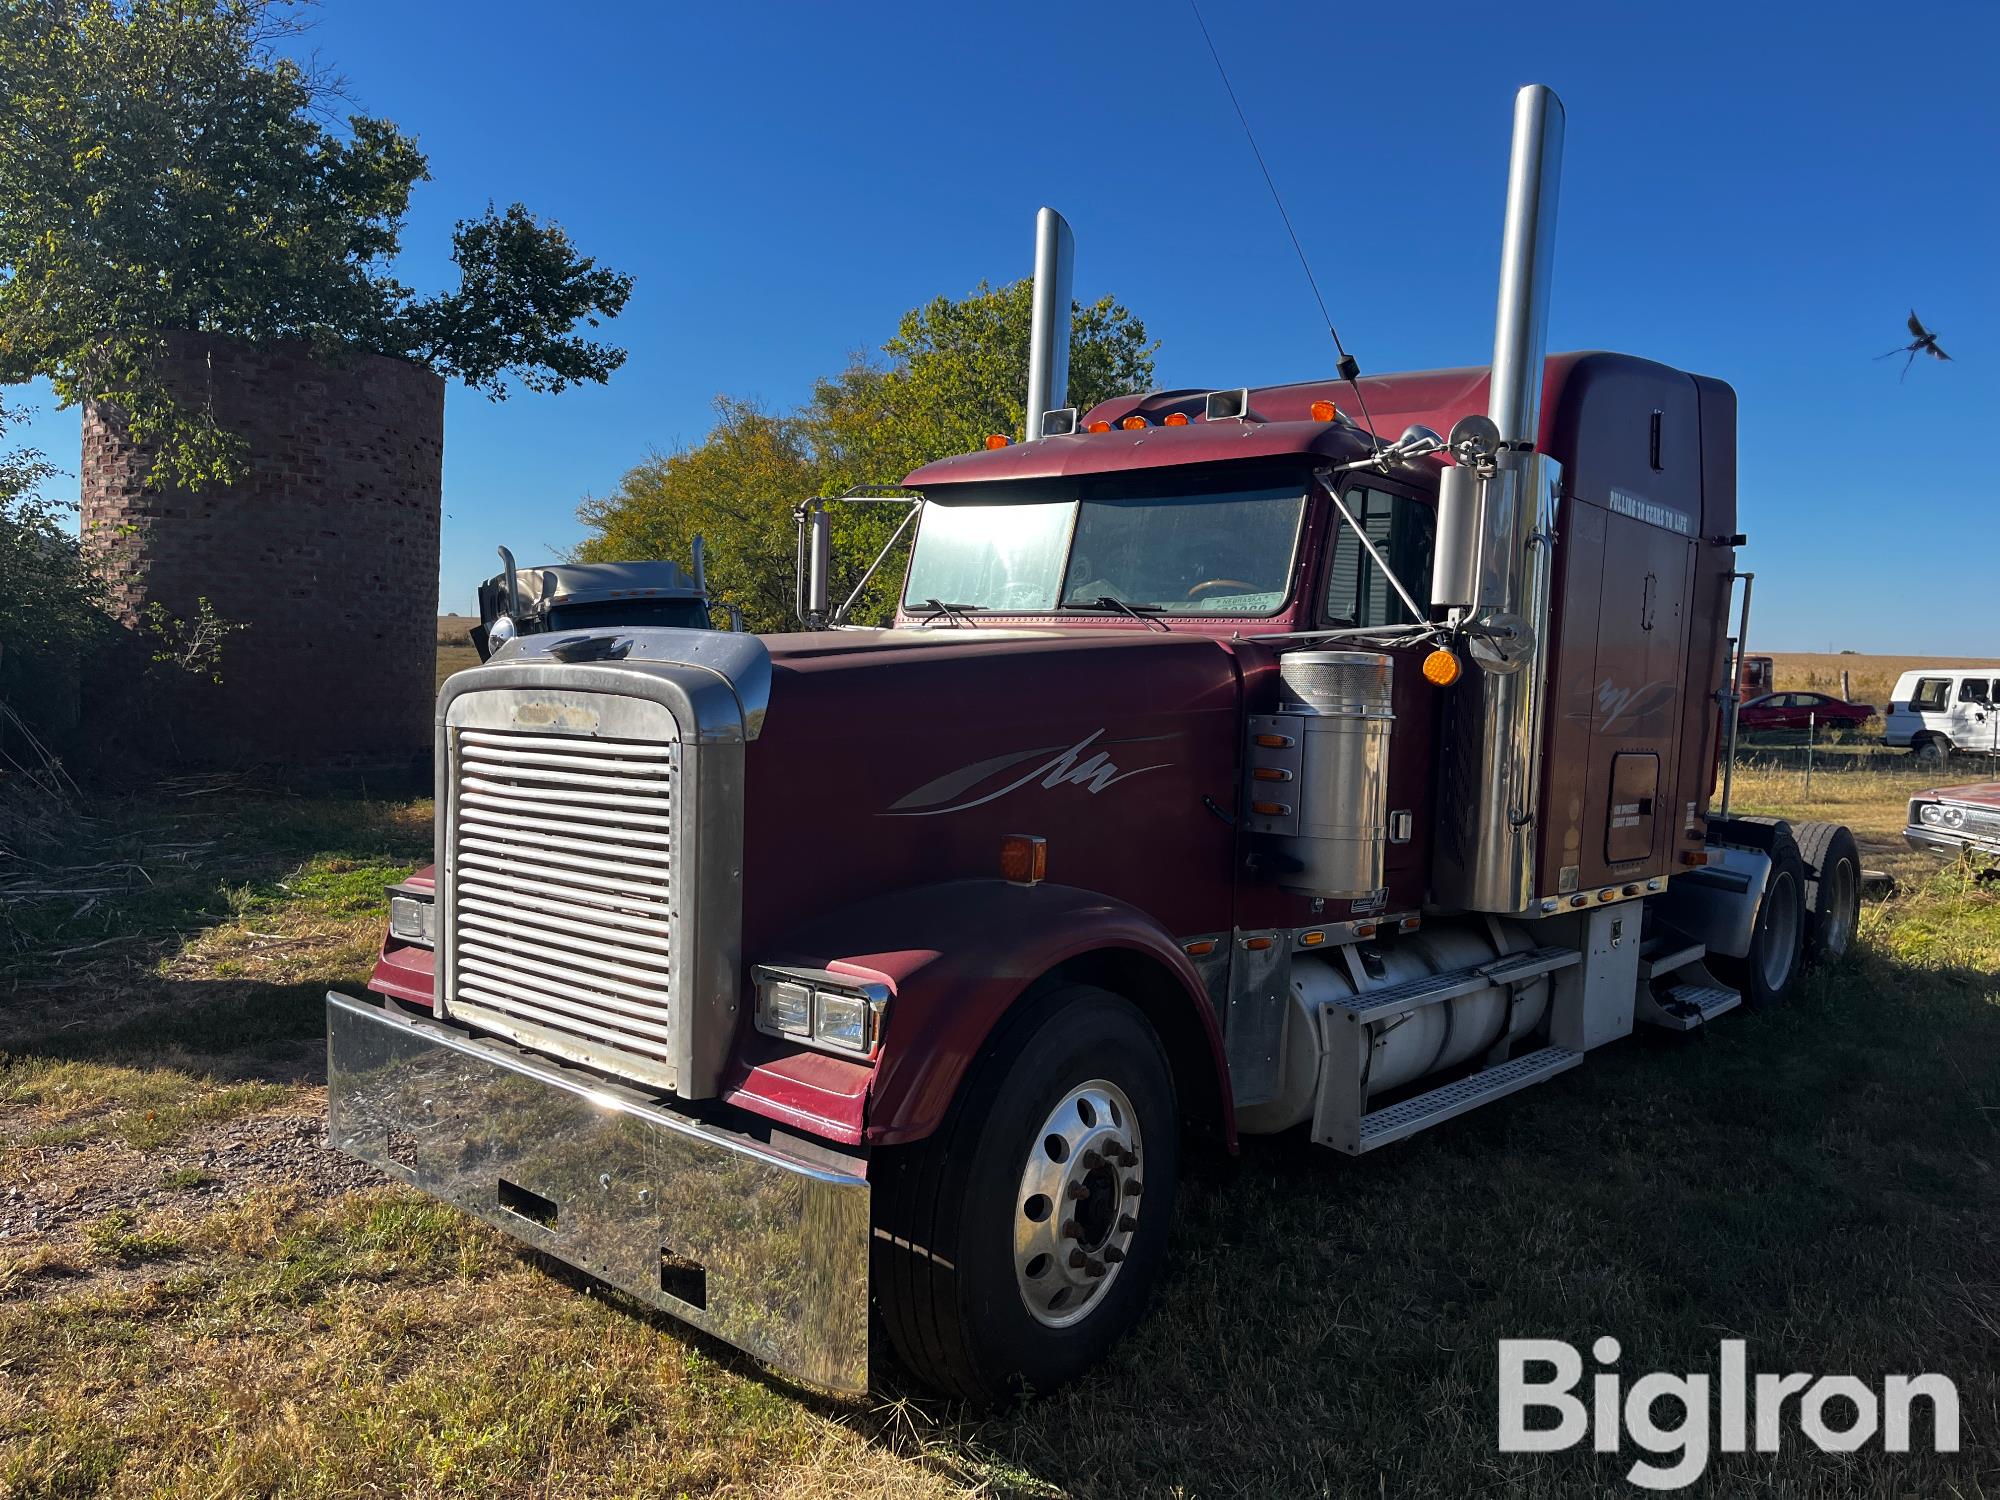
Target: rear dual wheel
(1017,1243)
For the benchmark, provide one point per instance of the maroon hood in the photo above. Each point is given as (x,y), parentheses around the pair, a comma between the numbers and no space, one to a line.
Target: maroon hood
(1983,793)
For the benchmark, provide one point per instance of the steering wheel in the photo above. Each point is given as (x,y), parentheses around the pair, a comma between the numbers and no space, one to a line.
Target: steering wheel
(1206,584)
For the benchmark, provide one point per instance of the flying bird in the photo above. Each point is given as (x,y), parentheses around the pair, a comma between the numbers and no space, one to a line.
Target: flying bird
(1922,342)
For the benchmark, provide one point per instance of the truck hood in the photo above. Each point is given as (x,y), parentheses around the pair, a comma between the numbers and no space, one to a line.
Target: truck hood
(1974,793)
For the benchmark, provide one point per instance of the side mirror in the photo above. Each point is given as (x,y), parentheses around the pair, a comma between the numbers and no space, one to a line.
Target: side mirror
(815,563)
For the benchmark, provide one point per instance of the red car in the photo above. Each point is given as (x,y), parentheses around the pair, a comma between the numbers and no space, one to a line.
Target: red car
(1803,710)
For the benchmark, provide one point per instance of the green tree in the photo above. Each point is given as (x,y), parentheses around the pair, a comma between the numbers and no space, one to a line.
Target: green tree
(954,372)
(163,168)
(51,601)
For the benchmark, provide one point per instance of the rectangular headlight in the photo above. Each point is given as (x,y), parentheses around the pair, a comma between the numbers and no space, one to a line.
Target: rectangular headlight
(412,916)
(821,1009)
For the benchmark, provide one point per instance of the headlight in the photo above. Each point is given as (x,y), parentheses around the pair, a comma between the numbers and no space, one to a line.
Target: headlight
(1931,813)
(821,1009)
(1954,817)
(412,916)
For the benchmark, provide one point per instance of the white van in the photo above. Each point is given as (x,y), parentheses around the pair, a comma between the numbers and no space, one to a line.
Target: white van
(1937,710)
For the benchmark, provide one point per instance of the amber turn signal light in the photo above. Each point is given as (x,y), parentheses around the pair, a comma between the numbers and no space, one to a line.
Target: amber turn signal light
(1132,424)
(1024,858)
(1097,427)
(1441,668)
(1200,949)
(1324,411)
(1174,419)
(995,440)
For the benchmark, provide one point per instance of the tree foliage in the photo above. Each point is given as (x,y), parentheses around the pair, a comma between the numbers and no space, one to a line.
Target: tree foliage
(955,371)
(163,168)
(51,600)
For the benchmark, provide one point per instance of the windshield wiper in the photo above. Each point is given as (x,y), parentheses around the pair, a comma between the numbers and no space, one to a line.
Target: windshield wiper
(958,614)
(1141,612)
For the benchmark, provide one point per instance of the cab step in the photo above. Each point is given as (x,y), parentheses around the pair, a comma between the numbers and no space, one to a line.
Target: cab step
(1687,1006)
(1433,1107)
(1432,989)
(1668,959)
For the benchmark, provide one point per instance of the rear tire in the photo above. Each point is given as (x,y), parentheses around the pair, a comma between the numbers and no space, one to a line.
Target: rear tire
(1832,890)
(1074,1092)
(1766,975)
(1931,749)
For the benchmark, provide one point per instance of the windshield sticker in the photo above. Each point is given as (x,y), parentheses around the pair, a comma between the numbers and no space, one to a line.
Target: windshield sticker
(1071,767)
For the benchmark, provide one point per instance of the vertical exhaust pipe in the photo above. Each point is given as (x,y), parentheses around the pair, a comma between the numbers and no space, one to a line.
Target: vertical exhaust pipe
(1492,773)
(1048,329)
(700,559)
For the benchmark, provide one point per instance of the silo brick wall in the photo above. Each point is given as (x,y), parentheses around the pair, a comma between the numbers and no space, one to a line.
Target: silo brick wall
(327,551)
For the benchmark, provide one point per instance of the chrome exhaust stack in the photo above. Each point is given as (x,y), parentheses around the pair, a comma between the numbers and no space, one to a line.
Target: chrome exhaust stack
(1492,773)
(1048,330)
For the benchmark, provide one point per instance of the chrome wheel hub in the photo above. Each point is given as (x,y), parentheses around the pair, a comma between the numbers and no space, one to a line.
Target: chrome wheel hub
(1077,1205)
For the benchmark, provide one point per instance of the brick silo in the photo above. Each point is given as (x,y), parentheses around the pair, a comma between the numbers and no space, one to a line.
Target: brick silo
(327,550)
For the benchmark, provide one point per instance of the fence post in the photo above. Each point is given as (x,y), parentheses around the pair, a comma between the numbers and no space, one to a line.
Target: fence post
(1812,733)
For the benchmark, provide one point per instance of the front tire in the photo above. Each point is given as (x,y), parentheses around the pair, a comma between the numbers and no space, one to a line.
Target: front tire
(1931,750)
(1017,1244)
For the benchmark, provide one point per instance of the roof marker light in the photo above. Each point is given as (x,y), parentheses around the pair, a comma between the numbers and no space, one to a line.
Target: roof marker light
(1325,411)
(1132,423)
(995,440)
(1174,419)
(1098,427)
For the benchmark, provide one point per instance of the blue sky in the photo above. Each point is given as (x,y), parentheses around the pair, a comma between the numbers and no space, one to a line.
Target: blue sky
(1759,192)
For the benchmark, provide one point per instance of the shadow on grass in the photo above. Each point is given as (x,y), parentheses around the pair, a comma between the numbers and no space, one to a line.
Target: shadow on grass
(1819,1180)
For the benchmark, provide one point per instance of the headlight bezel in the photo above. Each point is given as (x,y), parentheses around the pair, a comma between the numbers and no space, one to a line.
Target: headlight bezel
(413,915)
(829,1012)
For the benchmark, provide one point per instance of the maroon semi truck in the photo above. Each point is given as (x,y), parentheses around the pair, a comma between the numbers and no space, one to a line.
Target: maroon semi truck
(1230,768)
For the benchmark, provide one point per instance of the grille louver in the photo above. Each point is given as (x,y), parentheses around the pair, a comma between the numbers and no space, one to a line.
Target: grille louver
(562,852)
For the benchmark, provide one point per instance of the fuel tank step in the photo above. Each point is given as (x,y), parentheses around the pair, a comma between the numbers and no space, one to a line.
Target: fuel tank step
(1435,1106)
(1513,968)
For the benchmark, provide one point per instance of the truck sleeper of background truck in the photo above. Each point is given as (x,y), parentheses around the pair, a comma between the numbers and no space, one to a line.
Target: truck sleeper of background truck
(787,981)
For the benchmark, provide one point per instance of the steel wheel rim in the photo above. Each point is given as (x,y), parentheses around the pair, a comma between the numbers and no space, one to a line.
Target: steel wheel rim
(1781,933)
(1076,1208)
(1844,907)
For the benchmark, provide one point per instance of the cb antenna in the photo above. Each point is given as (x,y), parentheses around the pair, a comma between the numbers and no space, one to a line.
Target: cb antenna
(1349,368)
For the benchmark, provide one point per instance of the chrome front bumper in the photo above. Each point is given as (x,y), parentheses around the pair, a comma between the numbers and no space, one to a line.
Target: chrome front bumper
(1923,836)
(763,1248)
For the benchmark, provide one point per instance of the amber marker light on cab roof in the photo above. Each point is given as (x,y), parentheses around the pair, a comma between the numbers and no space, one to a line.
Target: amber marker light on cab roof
(1324,411)
(1441,668)
(995,440)
(1024,858)
(1133,423)
(1174,419)
(1098,427)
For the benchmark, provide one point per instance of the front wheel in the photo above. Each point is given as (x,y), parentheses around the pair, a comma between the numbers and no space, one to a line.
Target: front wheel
(1016,1244)
(1931,750)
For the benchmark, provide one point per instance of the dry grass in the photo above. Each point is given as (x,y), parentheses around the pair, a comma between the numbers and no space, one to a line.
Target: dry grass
(1871,677)
(224,1315)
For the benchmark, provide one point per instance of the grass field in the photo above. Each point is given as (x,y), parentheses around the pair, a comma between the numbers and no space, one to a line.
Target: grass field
(197,1298)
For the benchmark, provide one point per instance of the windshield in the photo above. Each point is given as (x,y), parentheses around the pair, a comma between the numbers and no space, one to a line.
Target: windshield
(689,614)
(1207,552)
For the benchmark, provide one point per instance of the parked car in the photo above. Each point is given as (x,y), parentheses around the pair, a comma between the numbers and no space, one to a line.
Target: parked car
(1936,710)
(1801,711)
(1957,818)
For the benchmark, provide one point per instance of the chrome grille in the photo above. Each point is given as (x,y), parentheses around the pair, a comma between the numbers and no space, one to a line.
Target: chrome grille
(561,900)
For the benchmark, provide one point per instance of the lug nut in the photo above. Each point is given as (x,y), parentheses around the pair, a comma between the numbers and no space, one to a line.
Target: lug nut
(1093,1267)
(1131,1187)
(1078,1260)
(1070,1231)
(1113,1255)
(1128,1159)
(1076,1191)
(1091,1159)
(1127,1224)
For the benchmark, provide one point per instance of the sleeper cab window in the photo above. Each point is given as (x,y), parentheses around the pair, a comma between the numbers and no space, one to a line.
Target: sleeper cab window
(1404,531)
